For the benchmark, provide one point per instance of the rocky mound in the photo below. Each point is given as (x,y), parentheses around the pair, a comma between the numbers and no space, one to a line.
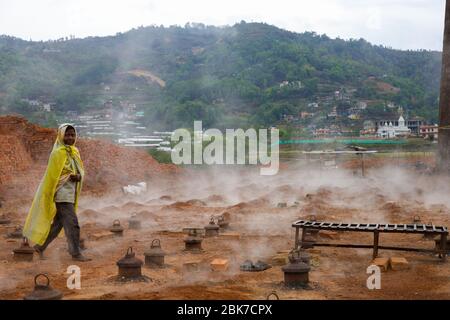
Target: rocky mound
(26,147)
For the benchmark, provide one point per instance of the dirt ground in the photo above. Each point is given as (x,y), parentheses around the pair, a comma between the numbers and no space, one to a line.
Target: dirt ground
(386,195)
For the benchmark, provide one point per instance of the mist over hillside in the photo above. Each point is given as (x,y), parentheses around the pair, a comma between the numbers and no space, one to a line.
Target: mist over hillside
(241,75)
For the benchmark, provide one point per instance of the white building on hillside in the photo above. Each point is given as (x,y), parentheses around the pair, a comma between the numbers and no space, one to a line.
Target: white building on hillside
(389,130)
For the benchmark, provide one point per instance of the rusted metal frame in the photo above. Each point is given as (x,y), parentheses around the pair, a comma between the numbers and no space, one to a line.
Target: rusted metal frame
(297,230)
(367,227)
(441,251)
(368,246)
(443,247)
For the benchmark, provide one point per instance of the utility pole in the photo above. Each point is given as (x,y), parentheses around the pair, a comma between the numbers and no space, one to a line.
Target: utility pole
(444,103)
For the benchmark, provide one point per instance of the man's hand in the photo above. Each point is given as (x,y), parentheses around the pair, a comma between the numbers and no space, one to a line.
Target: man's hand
(75,177)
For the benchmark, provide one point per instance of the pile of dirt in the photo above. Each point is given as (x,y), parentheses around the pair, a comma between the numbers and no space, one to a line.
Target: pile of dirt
(179,205)
(259,202)
(90,214)
(285,189)
(145,214)
(215,198)
(326,192)
(112,164)
(391,207)
(196,202)
(111,210)
(26,148)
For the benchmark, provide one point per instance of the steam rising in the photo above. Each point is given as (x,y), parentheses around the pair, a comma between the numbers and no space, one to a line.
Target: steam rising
(250,201)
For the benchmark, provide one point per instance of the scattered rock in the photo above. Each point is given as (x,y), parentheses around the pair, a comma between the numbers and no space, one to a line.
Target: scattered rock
(215,198)
(383,263)
(219,265)
(282,205)
(315,261)
(230,235)
(280,259)
(391,206)
(101,235)
(193,265)
(196,202)
(314,251)
(258,266)
(398,263)
(26,148)
(90,214)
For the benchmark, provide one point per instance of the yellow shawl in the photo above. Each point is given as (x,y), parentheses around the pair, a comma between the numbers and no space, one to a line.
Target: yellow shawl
(43,208)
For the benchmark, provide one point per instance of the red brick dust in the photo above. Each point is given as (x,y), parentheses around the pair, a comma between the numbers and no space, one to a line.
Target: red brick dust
(258,229)
(26,147)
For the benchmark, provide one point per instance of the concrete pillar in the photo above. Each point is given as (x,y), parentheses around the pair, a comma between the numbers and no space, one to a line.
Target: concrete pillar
(444,103)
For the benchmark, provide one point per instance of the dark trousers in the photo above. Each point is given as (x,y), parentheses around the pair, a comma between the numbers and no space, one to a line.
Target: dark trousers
(65,218)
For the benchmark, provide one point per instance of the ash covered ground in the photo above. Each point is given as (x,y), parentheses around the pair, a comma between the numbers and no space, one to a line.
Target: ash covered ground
(258,230)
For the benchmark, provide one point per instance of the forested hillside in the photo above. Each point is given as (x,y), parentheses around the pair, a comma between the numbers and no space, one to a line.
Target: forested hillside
(246,74)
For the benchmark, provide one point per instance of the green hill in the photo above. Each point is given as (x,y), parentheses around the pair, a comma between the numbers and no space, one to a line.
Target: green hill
(246,74)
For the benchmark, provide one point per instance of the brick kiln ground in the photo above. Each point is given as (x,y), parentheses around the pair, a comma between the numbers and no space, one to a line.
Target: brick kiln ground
(25,149)
(260,230)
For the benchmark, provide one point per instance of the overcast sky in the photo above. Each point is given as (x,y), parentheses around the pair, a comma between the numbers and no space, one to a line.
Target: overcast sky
(402,24)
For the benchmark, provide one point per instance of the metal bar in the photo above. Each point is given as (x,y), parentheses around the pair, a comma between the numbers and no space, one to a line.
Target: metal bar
(296,237)
(364,227)
(303,236)
(353,229)
(376,236)
(443,247)
(376,229)
(369,246)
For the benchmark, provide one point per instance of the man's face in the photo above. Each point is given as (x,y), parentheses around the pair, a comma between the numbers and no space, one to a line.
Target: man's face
(69,137)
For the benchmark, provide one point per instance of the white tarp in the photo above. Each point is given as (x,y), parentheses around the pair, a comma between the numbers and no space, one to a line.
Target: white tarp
(135,189)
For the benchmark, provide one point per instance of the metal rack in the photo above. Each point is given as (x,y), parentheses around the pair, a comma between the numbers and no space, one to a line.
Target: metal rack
(376,229)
